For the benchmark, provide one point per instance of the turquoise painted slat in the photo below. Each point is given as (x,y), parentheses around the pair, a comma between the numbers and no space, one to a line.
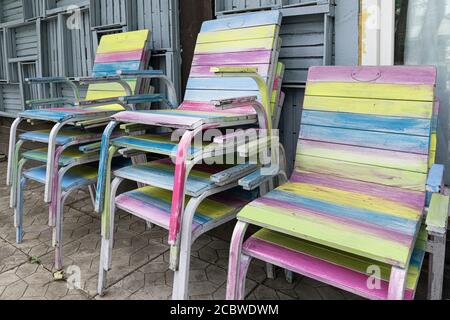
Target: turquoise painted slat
(116,66)
(210,95)
(410,126)
(222,84)
(70,179)
(386,141)
(247,21)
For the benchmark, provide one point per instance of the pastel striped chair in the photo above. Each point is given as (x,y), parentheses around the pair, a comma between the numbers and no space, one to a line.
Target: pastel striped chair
(353,214)
(67,164)
(231,85)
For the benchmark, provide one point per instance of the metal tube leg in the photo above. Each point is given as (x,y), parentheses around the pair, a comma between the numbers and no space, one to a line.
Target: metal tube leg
(18,211)
(397,284)
(107,237)
(16,173)
(436,268)
(270,269)
(11,150)
(235,260)
(59,230)
(243,270)
(51,160)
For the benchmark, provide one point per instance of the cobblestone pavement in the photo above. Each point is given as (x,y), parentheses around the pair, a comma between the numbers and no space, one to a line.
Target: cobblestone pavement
(140,259)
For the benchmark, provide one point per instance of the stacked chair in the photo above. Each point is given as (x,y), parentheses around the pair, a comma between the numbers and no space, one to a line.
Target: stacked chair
(362,207)
(235,82)
(71,159)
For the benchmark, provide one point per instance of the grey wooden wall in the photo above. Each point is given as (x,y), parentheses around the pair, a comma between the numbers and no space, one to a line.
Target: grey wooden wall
(38,38)
(321,32)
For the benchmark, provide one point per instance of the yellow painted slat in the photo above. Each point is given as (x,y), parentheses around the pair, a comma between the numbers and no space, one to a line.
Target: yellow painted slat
(238,34)
(244,45)
(371,91)
(126,41)
(112,86)
(433,142)
(400,108)
(384,176)
(352,199)
(367,156)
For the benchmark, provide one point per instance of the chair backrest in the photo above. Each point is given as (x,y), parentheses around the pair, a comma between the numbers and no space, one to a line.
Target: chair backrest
(244,40)
(370,125)
(126,51)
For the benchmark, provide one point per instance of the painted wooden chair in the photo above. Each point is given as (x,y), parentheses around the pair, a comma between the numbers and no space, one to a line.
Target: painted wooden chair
(70,167)
(352,212)
(231,83)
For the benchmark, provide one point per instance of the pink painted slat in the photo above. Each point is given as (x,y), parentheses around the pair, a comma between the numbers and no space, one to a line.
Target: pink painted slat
(392,75)
(120,56)
(415,200)
(317,269)
(234,58)
(155,119)
(205,71)
(206,107)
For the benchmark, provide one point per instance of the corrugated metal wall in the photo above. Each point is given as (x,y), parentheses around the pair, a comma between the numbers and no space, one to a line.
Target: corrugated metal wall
(60,37)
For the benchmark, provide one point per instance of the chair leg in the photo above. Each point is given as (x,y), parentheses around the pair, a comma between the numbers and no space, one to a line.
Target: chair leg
(59,229)
(18,211)
(397,284)
(270,270)
(234,267)
(436,267)
(107,236)
(289,276)
(181,276)
(243,270)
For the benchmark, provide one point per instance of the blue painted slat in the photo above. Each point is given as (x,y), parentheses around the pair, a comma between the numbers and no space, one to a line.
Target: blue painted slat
(243,21)
(210,95)
(222,84)
(116,66)
(369,217)
(369,139)
(413,126)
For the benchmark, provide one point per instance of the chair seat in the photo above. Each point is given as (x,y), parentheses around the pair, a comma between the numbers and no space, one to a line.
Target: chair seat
(65,136)
(71,156)
(66,114)
(153,204)
(76,177)
(337,268)
(155,143)
(355,218)
(161,174)
(187,119)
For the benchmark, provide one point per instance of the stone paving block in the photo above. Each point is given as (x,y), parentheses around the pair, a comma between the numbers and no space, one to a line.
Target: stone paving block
(140,259)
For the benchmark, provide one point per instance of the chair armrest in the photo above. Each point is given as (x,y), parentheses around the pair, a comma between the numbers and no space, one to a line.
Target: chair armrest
(238,70)
(43,80)
(435,181)
(232,174)
(232,103)
(437,217)
(254,180)
(91,148)
(48,102)
(140,73)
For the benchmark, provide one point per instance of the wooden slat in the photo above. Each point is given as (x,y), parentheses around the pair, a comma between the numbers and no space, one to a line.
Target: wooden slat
(238,34)
(237,22)
(367,156)
(408,126)
(409,75)
(369,139)
(371,91)
(245,45)
(127,41)
(396,108)
(384,176)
